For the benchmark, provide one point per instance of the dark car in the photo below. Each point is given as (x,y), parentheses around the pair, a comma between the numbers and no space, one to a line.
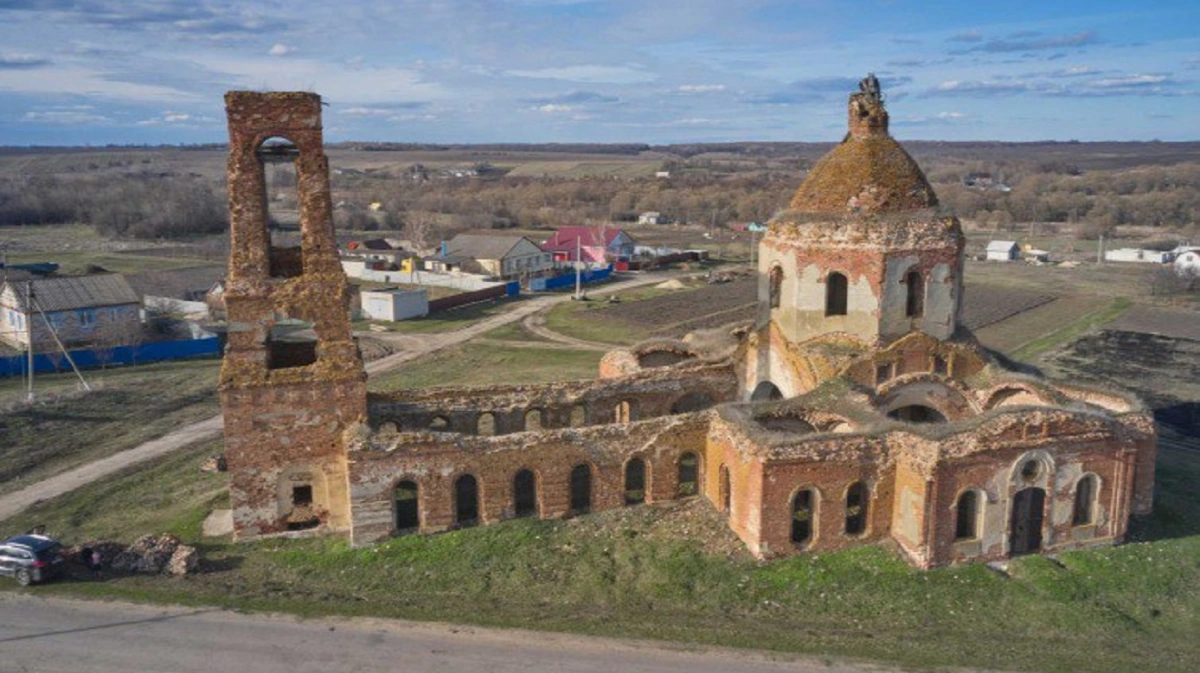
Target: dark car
(30,558)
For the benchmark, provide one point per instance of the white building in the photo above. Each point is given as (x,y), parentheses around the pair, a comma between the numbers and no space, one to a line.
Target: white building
(393,304)
(1187,260)
(1138,255)
(1003,251)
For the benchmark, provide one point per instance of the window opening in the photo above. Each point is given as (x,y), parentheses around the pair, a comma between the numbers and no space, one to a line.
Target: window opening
(581,489)
(525,494)
(466,501)
(914,306)
(723,488)
(486,424)
(917,413)
(836,288)
(1085,495)
(856,509)
(578,416)
(439,424)
(766,390)
(689,475)
(966,516)
(775,282)
(302,495)
(802,517)
(533,419)
(407,513)
(635,482)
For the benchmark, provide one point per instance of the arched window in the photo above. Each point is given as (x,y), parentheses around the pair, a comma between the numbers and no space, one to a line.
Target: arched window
(466,501)
(1085,498)
(914,306)
(525,494)
(689,475)
(765,390)
(533,419)
(775,285)
(966,516)
(578,416)
(802,517)
(407,509)
(439,424)
(486,425)
(836,288)
(625,412)
(635,481)
(581,488)
(723,488)
(856,508)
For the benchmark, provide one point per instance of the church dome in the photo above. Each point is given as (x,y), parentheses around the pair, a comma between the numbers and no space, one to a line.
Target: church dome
(869,172)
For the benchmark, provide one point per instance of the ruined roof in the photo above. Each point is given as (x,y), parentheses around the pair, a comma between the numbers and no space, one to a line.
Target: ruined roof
(868,172)
(74,292)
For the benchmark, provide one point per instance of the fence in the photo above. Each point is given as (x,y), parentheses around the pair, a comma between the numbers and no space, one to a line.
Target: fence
(355,269)
(121,355)
(568,280)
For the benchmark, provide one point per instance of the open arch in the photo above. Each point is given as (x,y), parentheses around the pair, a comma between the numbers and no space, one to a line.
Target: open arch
(578,416)
(914,304)
(625,412)
(277,157)
(439,424)
(533,419)
(635,481)
(406,497)
(765,390)
(525,494)
(836,294)
(803,515)
(775,285)
(966,516)
(581,488)
(1011,396)
(857,498)
(689,475)
(486,424)
(466,501)
(1084,511)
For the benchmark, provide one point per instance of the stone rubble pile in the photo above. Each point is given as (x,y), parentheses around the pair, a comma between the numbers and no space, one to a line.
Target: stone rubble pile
(155,555)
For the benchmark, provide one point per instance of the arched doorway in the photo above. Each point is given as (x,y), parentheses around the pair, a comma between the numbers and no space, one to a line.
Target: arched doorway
(836,294)
(525,494)
(466,501)
(408,515)
(802,517)
(1025,524)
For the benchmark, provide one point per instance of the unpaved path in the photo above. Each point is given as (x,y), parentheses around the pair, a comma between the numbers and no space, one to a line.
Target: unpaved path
(415,346)
(52,634)
(536,323)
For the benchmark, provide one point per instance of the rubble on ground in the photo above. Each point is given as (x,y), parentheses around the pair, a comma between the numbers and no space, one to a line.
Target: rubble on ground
(149,554)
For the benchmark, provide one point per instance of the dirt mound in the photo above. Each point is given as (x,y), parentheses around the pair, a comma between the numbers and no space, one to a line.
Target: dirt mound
(672,284)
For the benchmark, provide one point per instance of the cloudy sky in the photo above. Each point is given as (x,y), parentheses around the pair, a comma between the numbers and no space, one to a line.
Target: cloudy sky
(656,71)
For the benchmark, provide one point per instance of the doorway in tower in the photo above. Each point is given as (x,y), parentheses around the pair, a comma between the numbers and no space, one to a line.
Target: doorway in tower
(1025,525)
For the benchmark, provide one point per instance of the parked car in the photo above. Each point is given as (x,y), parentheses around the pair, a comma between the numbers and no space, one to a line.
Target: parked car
(31,558)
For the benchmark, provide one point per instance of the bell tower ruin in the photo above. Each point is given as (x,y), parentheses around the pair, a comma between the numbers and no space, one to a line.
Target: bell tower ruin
(292,380)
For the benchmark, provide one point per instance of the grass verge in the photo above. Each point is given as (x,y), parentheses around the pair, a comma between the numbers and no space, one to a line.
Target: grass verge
(66,428)
(1072,330)
(654,572)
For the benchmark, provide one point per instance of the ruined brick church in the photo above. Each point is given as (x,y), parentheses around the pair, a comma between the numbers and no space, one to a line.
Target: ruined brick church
(854,410)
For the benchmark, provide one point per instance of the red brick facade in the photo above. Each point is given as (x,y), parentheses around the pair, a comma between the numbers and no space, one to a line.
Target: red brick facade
(893,424)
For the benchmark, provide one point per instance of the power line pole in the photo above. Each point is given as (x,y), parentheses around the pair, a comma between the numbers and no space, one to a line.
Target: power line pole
(29,335)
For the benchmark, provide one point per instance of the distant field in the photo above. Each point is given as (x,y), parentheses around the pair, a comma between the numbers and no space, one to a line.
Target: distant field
(581,169)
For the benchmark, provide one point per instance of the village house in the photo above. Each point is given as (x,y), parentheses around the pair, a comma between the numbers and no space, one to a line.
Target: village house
(497,255)
(81,311)
(595,246)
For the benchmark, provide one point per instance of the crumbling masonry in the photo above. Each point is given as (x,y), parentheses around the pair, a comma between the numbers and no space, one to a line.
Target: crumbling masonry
(854,409)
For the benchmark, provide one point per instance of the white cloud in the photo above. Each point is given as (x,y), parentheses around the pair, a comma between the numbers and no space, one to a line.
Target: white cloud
(553,108)
(610,74)
(64,117)
(701,88)
(279,49)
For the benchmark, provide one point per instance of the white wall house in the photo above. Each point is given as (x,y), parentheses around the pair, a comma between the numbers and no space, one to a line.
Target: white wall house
(100,309)
(1138,255)
(1003,251)
(1187,261)
(393,304)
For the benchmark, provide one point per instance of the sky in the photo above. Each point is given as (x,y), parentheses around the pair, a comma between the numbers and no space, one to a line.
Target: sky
(95,72)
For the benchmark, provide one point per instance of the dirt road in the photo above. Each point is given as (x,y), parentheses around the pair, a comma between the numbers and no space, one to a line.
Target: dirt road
(414,345)
(39,634)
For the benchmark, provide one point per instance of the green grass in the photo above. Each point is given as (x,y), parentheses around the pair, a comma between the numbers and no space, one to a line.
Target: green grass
(571,319)
(127,406)
(489,364)
(77,262)
(632,573)
(1072,330)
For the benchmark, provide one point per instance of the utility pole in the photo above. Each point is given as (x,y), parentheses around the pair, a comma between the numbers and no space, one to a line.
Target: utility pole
(29,334)
(578,267)
(1100,250)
